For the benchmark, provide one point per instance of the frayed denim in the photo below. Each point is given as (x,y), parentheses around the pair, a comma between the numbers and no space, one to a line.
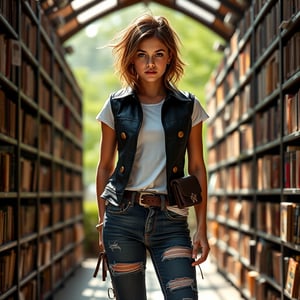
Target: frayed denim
(130,231)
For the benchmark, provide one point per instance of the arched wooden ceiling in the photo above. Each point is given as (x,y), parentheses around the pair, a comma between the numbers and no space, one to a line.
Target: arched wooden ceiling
(70,16)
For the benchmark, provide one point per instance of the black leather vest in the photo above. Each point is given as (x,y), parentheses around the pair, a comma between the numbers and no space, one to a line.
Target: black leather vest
(176,120)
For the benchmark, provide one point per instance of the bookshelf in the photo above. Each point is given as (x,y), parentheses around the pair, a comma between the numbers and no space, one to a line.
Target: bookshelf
(253,153)
(41,191)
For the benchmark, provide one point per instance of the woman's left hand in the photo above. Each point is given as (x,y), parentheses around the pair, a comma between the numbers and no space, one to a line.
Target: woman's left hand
(200,245)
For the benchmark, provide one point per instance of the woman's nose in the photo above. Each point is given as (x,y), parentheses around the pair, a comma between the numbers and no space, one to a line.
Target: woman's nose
(150,61)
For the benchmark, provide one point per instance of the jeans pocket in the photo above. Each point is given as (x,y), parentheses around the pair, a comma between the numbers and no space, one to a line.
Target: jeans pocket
(173,216)
(117,210)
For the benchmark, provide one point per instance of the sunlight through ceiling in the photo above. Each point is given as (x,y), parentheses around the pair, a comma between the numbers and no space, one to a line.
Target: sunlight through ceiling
(70,16)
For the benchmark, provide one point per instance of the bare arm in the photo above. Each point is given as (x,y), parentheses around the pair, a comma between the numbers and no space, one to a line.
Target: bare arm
(197,167)
(105,168)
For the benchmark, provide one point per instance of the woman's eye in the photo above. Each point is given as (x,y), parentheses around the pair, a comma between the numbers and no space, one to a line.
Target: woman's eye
(141,55)
(159,54)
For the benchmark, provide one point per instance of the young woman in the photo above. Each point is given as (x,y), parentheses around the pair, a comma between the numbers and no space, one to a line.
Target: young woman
(147,127)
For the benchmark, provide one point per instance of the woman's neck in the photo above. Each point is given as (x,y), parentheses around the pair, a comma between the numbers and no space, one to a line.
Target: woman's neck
(151,94)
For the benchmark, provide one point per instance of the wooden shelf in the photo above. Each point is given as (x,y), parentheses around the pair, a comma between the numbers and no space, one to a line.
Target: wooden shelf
(253,163)
(41,189)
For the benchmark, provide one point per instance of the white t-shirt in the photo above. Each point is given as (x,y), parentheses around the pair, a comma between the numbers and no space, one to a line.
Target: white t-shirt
(149,167)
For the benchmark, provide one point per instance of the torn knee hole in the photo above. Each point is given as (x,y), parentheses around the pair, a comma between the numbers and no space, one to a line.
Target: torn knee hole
(180,283)
(177,252)
(126,267)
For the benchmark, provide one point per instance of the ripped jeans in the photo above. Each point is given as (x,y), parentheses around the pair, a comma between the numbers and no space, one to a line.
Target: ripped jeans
(131,230)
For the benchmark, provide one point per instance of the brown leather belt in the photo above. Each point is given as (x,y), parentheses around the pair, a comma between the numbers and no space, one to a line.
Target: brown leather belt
(147,199)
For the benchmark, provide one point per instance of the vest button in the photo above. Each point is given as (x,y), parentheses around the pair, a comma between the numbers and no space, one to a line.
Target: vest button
(122,169)
(123,135)
(175,169)
(180,134)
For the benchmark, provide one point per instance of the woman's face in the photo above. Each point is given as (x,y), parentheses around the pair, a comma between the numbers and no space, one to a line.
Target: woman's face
(151,59)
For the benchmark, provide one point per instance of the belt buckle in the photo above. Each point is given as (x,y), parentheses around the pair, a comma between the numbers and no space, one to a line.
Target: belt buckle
(141,195)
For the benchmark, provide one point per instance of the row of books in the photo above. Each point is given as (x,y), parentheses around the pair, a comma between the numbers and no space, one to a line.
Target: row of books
(7,169)
(266,123)
(232,113)
(239,141)
(45,98)
(51,246)
(7,225)
(268,261)
(268,77)
(64,148)
(259,288)
(290,222)
(30,126)
(10,60)
(268,267)
(274,218)
(268,172)
(292,112)
(267,127)
(231,81)
(28,217)
(30,85)
(292,167)
(246,139)
(267,30)
(29,290)
(10,57)
(9,12)
(29,33)
(65,210)
(268,217)
(234,77)
(33,179)
(60,268)
(46,58)
(291,63)
(31,130)
(7,270)
(45,137)
(222,180)
(231,266)
(28,258)
(7,115)
(66,181)
(28,79)
(290,9)
(292,284)
(229,179)
(239,212)
(244,59)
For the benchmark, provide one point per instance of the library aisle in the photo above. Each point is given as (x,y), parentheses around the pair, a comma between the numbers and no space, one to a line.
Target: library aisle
(82,285)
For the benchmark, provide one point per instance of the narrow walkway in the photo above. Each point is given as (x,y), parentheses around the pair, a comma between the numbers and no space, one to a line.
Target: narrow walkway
(82,285)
